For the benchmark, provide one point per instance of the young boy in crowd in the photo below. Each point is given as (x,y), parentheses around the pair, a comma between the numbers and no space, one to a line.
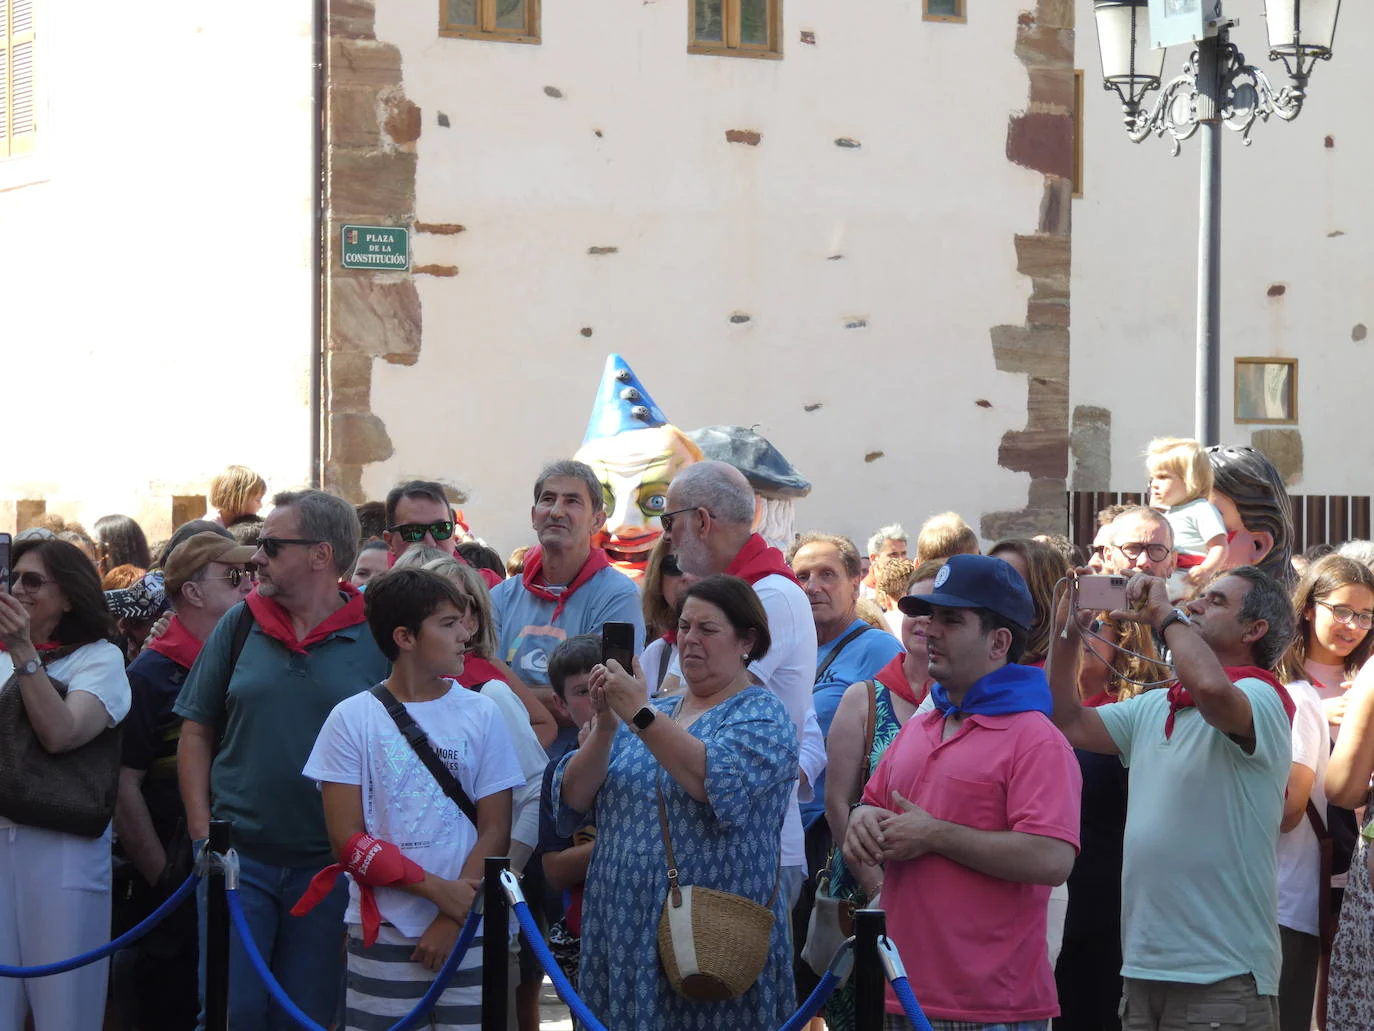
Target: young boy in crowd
(566,859)
(414,857)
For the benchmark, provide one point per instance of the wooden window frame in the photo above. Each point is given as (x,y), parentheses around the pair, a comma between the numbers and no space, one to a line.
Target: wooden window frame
(1078,132)
(13,145)
(486,28)
(1292,364)
(952,19)
(730,23)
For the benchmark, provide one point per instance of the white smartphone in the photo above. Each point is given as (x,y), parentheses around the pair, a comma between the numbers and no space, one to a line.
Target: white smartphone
(1103,592)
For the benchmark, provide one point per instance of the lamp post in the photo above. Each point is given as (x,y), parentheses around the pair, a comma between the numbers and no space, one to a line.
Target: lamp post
(1217,87)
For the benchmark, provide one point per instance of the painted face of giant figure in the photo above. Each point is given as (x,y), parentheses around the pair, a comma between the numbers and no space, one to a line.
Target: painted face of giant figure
(1253,502)
(635,469)
(635,453)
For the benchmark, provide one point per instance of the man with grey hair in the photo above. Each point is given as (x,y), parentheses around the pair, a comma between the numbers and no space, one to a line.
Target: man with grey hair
(709,526)
(1208,761)
(260,689)
(568,587)
(888,543)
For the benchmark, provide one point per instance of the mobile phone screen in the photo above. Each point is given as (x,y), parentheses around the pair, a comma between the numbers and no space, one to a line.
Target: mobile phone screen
(5,540)
(618,642)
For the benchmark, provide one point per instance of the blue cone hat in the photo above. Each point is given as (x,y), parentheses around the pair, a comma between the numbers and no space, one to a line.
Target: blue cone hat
(622,404)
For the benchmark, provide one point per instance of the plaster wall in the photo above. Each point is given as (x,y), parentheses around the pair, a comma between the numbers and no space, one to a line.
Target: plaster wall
(1297,273)
(155,259)
(838,297)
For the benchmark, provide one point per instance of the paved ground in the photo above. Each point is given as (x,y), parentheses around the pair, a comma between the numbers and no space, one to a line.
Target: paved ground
(553,1015)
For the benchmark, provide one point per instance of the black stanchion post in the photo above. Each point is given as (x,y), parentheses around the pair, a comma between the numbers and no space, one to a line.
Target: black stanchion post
(869,926)
(495,948)
(217,934)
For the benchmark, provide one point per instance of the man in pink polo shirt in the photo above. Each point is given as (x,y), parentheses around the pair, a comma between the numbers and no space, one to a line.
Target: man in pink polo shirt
(973,813)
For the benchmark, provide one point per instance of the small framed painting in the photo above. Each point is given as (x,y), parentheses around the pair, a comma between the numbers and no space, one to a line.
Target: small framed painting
(1267,390)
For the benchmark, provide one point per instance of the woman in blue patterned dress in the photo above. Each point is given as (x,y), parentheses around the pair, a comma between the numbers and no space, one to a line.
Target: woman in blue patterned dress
(725,756)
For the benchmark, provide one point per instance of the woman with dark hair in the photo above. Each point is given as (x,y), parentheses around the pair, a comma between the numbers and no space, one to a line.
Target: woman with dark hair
(722,758)
(55,651)
(121,542)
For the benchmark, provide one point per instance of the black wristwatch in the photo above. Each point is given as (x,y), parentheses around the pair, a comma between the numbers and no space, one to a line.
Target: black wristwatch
(29,668)
(641,720)
(1176,616)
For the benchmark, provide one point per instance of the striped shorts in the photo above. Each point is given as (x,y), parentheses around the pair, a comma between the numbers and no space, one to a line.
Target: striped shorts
(384,985)
(898,1022)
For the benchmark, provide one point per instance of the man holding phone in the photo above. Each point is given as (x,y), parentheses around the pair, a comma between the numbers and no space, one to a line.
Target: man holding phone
(1208,762)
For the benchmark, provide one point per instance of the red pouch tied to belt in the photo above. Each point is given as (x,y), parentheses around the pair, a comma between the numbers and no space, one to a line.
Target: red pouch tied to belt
(374,863)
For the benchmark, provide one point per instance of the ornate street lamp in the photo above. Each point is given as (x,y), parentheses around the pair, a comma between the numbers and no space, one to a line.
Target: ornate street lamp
(1216,87)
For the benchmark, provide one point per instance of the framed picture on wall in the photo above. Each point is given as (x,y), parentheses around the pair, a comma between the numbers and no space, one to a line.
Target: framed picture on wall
(1266,390)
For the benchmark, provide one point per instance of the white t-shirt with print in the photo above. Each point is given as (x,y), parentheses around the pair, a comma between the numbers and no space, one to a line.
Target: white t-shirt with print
(402,802)
(1195,523)
(1298,854)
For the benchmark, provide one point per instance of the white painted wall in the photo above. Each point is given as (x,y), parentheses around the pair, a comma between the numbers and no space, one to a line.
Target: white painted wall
(1294,213)
(155,258)
(924,215)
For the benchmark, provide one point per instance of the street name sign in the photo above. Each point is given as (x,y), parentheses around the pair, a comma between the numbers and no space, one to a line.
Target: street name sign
(385,248)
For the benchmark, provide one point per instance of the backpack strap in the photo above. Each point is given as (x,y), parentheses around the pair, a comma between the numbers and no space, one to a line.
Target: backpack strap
(835,652)
(415,737)
(1326,915)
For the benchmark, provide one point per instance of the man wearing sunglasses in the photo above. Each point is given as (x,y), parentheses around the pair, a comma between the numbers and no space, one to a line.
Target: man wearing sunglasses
(204,577)
(254,703)
(418,513)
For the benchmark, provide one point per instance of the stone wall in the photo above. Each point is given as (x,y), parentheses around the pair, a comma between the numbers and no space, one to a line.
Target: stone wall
(1041,138)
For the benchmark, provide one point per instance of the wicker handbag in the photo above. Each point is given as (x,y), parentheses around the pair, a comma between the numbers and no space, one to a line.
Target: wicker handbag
(714,945)
(72,792)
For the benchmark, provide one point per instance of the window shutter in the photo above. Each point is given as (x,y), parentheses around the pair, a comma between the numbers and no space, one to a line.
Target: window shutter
(17,108)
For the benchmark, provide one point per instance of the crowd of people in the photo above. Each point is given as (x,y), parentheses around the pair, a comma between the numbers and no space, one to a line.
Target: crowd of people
(1139,816)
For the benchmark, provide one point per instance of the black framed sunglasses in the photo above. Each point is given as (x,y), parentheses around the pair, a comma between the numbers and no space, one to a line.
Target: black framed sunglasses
(236,576)
(271,546)
(667,517)
(414,533)
(29,580)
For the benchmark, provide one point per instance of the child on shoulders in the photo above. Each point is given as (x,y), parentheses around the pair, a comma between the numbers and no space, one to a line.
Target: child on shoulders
(413,856)
(1181,488)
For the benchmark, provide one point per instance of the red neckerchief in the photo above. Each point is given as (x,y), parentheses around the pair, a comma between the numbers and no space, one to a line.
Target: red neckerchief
(893,677)
(533,577)
(758,559)
(1102,698)
(276,622)
(477,670)
(670,636)
(46,646)
(178,644)
(1179,698)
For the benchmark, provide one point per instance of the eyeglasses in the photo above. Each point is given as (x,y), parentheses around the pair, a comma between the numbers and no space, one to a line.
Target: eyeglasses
(236,576)
(414,533)
(30,581)
(271,546)
(667,517)
(1133,550)
(1340,613)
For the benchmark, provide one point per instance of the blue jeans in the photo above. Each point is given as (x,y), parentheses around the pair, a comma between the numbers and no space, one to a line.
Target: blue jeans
(304,953)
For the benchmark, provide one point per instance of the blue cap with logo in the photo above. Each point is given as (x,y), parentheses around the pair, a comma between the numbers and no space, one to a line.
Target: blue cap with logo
(976,582)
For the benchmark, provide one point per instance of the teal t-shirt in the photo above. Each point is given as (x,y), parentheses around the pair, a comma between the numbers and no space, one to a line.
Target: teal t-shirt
(271,710)
(1200,883)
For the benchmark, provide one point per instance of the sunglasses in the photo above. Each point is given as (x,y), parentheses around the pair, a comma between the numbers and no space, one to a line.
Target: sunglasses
(271,546)
(414,533)
(30,581)
(236,576)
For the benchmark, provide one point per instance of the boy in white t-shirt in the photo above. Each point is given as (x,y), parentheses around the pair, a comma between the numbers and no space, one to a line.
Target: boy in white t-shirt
(414,858)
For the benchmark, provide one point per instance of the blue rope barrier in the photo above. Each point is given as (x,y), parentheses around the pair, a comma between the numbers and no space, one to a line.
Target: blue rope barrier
(128,937)
(901,986)
(819,996)
(561,984)
(406,1023)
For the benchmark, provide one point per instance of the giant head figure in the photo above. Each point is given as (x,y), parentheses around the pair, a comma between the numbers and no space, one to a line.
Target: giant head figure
(1249,493)
(635,453)
(776,483)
